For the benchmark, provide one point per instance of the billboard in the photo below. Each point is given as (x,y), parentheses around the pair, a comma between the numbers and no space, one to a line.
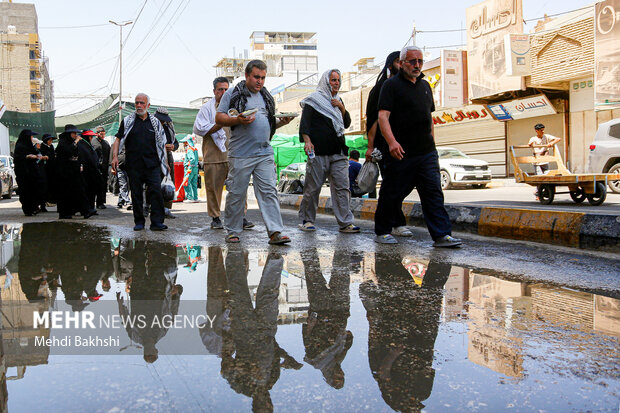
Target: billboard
(487,24)
(452,79)
(518,59)
(607,54)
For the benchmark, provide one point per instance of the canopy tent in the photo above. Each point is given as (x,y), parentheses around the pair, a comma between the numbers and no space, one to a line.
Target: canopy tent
(86,115)
(183,119)
(40,122)
(287,149)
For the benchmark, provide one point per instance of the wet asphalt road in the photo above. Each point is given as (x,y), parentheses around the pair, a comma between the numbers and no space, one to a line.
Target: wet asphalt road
(331,322)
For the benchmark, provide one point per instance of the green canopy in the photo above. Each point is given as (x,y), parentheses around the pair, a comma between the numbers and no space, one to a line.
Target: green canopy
(40,122)
(287,149)
(183,119)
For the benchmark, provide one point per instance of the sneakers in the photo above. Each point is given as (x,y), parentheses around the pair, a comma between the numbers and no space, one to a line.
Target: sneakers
(129,207)
(307,226)
(350,229)
(168,214)
(158,227)
(447,241)
(385,239)
(247,224)
(402,232)
(138,227)
(216,223)
(102,206)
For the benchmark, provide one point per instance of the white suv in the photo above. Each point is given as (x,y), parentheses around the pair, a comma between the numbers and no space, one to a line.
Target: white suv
(605,152)
(458,169)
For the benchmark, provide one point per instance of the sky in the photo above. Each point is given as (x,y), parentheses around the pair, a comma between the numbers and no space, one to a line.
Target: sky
(174,44)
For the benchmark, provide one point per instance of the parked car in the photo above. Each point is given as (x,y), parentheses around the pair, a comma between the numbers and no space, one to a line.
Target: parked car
(458,169)
(605,152)
(8,183)
(294,171)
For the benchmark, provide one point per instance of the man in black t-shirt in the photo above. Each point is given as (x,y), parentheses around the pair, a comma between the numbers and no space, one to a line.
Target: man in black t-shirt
(411,160)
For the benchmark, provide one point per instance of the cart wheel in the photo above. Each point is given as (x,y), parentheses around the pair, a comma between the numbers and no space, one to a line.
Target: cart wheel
(599,196)
(578,196)
(546,193)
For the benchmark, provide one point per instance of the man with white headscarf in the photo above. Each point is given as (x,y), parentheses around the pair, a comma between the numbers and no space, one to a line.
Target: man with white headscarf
(322,126)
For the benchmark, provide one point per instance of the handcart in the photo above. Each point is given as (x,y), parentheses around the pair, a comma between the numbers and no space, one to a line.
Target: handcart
(592,187)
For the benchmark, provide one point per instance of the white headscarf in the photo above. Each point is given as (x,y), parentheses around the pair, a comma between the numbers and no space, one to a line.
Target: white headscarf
(321,101)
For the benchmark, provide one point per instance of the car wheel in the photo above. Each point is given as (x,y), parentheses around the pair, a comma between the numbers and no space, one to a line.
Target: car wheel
(445,179)
(578,195)
(614,185)
(546,193)
(302,179)
(598,197)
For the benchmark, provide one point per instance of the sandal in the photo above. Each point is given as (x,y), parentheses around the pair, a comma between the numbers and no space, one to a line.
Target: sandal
(278,239)
(232,239)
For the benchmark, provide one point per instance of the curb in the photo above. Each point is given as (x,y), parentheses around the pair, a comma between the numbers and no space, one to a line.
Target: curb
(570,229)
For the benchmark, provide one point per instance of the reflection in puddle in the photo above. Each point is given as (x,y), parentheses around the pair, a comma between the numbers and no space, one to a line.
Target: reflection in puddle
(316,329)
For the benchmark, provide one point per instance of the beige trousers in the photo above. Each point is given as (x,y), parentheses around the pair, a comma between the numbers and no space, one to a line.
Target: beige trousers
(215,176)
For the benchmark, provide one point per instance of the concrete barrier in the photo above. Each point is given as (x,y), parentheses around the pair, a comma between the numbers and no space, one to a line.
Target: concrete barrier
(571,229)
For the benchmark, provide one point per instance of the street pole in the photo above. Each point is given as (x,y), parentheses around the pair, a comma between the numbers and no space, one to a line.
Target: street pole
(120,71)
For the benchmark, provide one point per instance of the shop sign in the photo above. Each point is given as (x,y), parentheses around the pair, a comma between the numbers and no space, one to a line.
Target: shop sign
(465,114)
(530,107)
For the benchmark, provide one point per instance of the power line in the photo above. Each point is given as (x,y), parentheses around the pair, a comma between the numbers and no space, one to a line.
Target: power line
(528,20)
(73,27)
(134,22)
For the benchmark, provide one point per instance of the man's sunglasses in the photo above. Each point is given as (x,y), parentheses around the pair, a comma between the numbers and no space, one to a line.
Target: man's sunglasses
(412,61)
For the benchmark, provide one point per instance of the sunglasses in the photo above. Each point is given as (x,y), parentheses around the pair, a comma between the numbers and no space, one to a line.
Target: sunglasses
(413,61)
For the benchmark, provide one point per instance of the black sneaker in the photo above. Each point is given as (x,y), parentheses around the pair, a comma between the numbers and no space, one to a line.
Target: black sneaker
(216,223)
(101,206)
(247,224)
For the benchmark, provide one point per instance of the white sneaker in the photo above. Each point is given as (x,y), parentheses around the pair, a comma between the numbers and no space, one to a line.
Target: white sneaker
(402,232)
(308,226)
(385,239)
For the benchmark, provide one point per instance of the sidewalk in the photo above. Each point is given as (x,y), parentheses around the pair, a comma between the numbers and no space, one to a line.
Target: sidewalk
(508,210)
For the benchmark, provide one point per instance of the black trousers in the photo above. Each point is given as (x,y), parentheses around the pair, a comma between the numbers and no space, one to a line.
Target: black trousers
(103,187)
(152,178)
(399,179)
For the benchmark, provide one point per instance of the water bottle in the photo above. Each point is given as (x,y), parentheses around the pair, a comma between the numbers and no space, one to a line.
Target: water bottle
(311,154)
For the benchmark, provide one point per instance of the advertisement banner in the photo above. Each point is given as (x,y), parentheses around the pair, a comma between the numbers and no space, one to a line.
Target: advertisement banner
(607,52)
(452,74)
(487,24)
(518,60)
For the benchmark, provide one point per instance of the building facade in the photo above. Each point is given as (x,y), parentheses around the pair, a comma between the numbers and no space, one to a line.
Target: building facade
(25,85)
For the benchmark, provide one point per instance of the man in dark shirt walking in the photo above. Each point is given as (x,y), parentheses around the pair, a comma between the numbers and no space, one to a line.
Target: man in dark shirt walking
(102,148)
(405,107)
(144,140)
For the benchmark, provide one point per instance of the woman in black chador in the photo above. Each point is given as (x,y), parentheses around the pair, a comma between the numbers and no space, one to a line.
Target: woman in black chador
(69,182)
(26,157)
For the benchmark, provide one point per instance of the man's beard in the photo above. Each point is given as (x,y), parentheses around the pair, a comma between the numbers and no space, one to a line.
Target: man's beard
(140,111)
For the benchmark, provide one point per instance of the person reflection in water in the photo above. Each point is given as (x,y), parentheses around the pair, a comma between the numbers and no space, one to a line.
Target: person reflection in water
(325,334)
(218,304)
(255,366)
(403,323)
(153,293)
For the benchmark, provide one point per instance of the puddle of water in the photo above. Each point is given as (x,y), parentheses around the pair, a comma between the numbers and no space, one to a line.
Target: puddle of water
(315,329)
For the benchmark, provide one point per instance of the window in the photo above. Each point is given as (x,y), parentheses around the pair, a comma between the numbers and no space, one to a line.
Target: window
(614,131)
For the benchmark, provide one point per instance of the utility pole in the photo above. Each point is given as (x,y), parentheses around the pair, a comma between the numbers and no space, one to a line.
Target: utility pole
(120,71)
(413,33)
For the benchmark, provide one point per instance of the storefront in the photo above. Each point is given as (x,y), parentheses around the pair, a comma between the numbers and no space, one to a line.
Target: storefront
(474,131)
